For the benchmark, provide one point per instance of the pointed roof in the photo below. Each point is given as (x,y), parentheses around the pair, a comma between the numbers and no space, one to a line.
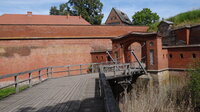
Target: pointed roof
(123,16)
(42,19)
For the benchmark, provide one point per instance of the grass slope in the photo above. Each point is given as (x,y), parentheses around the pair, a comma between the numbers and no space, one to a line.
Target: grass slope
(10,90)
(186,18)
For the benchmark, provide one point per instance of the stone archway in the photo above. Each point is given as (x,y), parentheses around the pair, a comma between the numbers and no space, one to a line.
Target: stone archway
(121,48)
(137,47)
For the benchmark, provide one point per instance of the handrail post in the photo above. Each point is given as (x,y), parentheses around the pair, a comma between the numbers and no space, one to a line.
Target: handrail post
(115,70)
(48,73)
(81,70)
(16,84)
(129,70)
(92,68)
(51,71)
(30,80)
(40,78)
(68,70)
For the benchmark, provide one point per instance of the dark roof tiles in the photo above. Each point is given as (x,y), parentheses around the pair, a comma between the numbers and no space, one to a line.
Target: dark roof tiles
(123,16)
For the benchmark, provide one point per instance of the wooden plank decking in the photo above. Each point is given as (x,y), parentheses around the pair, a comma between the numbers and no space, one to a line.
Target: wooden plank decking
(66,94)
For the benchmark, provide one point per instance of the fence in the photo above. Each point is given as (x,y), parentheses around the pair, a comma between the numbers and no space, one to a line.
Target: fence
(45,73)
(106,92)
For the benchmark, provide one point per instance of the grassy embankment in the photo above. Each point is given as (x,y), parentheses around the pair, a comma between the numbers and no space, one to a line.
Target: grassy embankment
(186,18)
(181,94)
(176,97)
(10,90)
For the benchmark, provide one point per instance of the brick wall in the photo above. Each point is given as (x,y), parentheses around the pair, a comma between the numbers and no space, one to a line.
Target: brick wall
(22,55)
(182,35)
(195,35)
(183,57)
(56,31)
(99,57)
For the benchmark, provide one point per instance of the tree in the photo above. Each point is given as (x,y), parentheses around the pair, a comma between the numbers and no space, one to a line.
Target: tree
(54,11)
(90,10)
(145,17)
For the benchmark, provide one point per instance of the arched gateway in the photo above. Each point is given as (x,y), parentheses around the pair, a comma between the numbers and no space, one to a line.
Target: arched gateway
(146,46)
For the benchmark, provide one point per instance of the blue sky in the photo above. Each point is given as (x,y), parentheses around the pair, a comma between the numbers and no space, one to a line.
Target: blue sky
(164,8)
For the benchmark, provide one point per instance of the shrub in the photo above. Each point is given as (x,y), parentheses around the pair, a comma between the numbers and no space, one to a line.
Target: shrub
(195,83)
(175,97)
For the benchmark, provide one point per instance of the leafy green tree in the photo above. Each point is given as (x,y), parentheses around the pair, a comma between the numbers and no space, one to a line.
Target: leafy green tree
(90,10)
(54,11)
(145,17)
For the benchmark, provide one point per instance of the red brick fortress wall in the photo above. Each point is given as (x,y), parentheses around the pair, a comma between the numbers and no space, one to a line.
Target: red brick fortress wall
(183,57)
(22,55)
(59,31)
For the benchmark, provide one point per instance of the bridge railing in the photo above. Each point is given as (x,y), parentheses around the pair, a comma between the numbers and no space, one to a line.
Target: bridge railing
(46,73)
(116,67)
(106,92)
(105,89)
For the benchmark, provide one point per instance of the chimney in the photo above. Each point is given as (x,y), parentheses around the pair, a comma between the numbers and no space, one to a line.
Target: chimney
(68,15)
(29,13)
(80,16)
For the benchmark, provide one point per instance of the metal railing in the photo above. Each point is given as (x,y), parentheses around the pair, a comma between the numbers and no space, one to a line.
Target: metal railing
(105,88)
(47,73)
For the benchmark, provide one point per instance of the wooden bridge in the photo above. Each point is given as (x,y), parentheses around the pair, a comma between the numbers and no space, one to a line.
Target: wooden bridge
(68,93)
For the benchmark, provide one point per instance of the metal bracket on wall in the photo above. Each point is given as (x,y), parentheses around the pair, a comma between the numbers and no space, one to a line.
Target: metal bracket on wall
(132,52)
(111,57)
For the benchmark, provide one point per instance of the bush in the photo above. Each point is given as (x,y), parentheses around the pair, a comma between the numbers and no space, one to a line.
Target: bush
(175,97)
(195,83)
(153,27)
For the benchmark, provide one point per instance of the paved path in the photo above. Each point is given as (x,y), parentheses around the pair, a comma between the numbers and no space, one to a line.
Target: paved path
(66,94)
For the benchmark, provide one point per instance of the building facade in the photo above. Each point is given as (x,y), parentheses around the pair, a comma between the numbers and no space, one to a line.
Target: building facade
(28,42)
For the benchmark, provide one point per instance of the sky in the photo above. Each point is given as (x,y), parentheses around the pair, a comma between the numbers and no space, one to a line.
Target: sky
(164,8)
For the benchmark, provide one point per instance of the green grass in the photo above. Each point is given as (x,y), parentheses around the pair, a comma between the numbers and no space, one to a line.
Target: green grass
(186,18)
(10,90)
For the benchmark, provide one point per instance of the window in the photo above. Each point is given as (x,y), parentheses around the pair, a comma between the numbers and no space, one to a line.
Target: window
(151,57)
(151,43)
(101,57)
(194,55)
(116,55)
(163,55)
(170,55)
(181,55)
(108,58)
(122,13)
(97,57)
